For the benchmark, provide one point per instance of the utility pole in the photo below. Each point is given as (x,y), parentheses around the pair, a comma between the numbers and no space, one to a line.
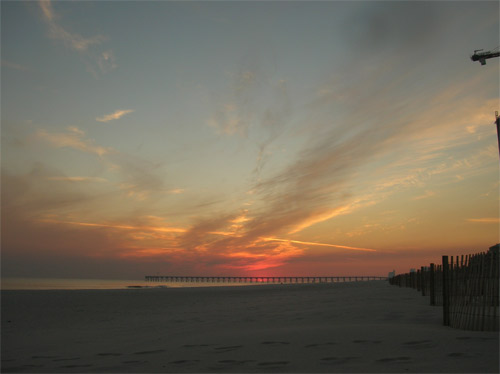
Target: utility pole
(497,120)
(482,57)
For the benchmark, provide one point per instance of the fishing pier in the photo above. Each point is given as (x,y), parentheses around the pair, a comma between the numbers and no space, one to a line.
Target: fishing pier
(258,280)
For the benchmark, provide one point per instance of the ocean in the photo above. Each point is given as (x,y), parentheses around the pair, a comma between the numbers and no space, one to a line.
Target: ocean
(110,284)
(99,284)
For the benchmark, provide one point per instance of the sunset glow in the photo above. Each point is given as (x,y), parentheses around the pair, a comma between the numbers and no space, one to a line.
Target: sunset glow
(246,138)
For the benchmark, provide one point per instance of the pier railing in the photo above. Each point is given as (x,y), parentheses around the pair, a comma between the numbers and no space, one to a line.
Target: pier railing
(258,280)
(467,287)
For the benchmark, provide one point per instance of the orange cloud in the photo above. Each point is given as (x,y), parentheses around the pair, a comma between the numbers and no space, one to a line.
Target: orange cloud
(73,138)
(484,220)
(425,195)
(134,252)
(113,116)
(121,227)
(77,179)
(259,256)
(320,244)
(317,217)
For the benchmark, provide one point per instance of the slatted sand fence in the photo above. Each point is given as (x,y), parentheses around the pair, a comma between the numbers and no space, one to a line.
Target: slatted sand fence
(467,287)
(473,292)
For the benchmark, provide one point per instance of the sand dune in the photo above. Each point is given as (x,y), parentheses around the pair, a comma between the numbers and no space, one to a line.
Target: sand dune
(351,327)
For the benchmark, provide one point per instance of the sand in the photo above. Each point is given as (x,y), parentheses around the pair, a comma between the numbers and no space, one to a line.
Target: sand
(352,327)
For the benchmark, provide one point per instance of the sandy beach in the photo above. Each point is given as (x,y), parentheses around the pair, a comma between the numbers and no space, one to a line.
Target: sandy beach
(346,328)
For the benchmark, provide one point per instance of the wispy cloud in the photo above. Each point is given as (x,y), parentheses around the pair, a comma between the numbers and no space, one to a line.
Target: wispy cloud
(72,138)
(425,195)
(137,178)
(243,107)
(141,179)
(72,40)
(228,121)
(484,220)
(321,244)
(12,65)
(176,191)
(77,179)
(113,116)
(105,60)
(119,226)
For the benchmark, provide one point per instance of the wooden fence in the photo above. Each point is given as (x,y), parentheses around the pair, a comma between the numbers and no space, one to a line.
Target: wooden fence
(467,287)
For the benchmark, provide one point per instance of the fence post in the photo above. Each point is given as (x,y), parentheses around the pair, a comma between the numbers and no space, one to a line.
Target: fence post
(422,282)
(431,285)
(446,300)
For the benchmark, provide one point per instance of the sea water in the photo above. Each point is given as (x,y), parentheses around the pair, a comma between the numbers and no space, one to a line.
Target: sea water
(100,284)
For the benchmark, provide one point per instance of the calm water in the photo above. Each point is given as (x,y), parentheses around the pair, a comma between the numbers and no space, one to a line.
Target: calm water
(95,284)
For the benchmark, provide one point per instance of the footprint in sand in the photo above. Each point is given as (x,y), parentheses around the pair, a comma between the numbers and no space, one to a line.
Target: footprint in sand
(338,360)
(228,348)
(270,364)
(196,345)
(227,364)
(457,354)
(149,352)
(419,344)
(315,345)
(366,341)
(133,362)
(275,343)
(43,357)
(473,338)
(75,366)
(393,359)
(234,362)
(179,362)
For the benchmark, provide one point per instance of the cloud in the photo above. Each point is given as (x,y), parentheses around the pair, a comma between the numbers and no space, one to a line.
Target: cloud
(105,60)
(162,229)
(228,121)
(176,191)
(321,244)
(115,115)
(52,214)
(47,10)
(73,138)
(378,27)
(140,178)
(74,41)
(12,65)
(254,100)
(484,220)
(425,195)
(364,136)
(77,179)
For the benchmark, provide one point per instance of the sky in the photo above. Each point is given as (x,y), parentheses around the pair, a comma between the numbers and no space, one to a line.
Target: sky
(246,138)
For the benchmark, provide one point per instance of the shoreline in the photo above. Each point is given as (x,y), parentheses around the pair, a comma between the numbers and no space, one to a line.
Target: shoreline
(34,284)
(353,327)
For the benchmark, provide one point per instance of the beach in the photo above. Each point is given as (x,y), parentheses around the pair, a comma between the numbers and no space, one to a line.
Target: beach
(356,327)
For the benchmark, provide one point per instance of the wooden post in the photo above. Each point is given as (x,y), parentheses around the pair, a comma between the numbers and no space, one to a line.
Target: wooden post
(446,300)
(419,280)
(483,293)
(422,280)
(431,285)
